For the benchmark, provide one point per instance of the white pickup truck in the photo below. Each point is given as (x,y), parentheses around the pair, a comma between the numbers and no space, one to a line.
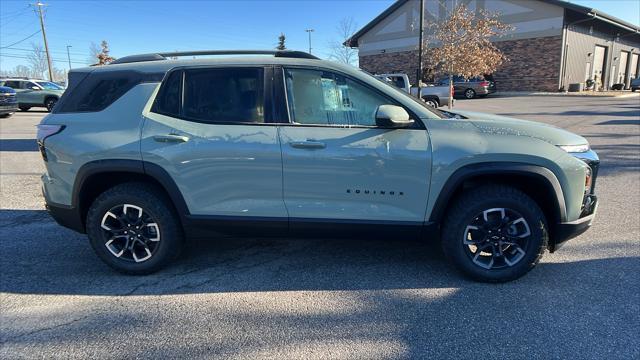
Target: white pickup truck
(434,96)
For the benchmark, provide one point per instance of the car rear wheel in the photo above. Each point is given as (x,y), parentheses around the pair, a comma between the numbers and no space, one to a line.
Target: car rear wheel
(431,102)
(50,103)
(133,228)
(25,108)
(469,93)
(494,233)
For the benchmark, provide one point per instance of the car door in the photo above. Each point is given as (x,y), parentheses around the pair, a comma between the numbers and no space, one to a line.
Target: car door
(339,168)
(209,130)
(29,94)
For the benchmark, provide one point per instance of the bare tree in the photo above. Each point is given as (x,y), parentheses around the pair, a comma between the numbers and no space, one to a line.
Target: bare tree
(59,74)
(21,71)
(339,52)
(281,40)
(37,61)
(461,45)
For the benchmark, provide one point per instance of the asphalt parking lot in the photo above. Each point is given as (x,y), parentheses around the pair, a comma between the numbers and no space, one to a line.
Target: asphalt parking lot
(291,298)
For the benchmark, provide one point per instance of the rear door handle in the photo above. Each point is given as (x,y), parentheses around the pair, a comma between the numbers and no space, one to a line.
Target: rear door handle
(171,138)
(309,144)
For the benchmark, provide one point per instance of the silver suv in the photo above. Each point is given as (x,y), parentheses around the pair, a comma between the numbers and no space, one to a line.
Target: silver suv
(147,152)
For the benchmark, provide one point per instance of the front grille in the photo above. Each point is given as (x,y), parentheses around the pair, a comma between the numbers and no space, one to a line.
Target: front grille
(7,99)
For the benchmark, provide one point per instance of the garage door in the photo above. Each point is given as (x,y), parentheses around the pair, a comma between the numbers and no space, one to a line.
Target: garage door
(634,66)
(622,73)
(598,64)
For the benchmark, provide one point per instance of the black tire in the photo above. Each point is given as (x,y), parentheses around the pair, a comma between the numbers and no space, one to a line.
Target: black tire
(4,116)
(432,102)
(49,103)
(25,108)
(467,208)
(156,206)
(469,93)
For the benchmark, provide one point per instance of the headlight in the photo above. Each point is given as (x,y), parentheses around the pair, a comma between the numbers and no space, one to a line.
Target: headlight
(575,148)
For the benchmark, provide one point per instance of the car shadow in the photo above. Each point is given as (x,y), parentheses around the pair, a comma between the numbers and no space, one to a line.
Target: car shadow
(430,308)
(18,145)
(621,122)
(41,257)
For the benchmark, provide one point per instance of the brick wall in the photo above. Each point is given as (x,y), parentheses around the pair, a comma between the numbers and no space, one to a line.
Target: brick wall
(534,64)
(397,62)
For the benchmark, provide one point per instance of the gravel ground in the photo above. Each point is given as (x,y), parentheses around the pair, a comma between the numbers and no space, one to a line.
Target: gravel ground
(291,298)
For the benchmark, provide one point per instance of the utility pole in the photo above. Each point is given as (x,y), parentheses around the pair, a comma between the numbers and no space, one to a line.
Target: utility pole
(69,56)
(309,31)
(420,49)
(44,35)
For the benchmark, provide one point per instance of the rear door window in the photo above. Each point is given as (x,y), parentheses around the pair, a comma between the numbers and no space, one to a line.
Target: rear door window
(12,84)
(224,95)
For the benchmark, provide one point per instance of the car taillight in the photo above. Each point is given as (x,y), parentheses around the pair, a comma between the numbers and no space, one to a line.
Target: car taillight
(484,83)
(45,131)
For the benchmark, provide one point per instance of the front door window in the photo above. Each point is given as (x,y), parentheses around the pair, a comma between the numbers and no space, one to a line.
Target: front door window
(324,98)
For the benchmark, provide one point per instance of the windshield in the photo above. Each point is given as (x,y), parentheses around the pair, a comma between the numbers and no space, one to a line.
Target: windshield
(49,85)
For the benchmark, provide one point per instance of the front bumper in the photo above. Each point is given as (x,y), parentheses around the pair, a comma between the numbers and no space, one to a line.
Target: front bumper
(8,109)
(568,230)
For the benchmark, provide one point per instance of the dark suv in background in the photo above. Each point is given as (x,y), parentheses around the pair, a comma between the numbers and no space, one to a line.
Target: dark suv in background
(480,86)
(8,101)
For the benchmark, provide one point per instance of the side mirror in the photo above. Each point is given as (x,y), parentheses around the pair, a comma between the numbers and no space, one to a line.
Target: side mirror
(35,88)
(392,116)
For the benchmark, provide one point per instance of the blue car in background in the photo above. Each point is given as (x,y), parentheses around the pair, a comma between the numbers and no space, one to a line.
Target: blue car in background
(8,101)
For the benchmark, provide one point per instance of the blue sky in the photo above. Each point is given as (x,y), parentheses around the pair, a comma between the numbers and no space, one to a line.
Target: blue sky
(133,27)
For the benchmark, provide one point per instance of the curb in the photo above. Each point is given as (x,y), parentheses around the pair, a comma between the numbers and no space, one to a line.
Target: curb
(597,95)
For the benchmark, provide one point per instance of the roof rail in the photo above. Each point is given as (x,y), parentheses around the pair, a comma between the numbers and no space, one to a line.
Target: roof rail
(165,55)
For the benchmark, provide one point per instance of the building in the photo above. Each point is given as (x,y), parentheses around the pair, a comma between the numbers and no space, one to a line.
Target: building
(554,43)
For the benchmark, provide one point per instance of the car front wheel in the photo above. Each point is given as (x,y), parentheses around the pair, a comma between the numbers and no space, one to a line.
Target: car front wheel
(133,228)
(25,108)
(494,233)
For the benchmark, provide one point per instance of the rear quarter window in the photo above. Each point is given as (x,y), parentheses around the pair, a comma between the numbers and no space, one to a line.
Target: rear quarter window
(99,90)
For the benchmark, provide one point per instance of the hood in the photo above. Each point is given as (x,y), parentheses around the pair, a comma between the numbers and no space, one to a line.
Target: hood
(502,125)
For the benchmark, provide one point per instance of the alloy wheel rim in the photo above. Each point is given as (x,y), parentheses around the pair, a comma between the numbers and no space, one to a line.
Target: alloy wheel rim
(130,233)
(496,238)
(469,94)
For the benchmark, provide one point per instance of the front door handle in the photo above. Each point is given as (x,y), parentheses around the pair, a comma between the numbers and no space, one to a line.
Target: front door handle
(309,144)
(171,138)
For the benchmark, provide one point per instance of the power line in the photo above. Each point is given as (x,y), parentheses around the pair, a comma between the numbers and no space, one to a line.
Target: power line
(25,57)
(53,51)
(13,17)
(18,42)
